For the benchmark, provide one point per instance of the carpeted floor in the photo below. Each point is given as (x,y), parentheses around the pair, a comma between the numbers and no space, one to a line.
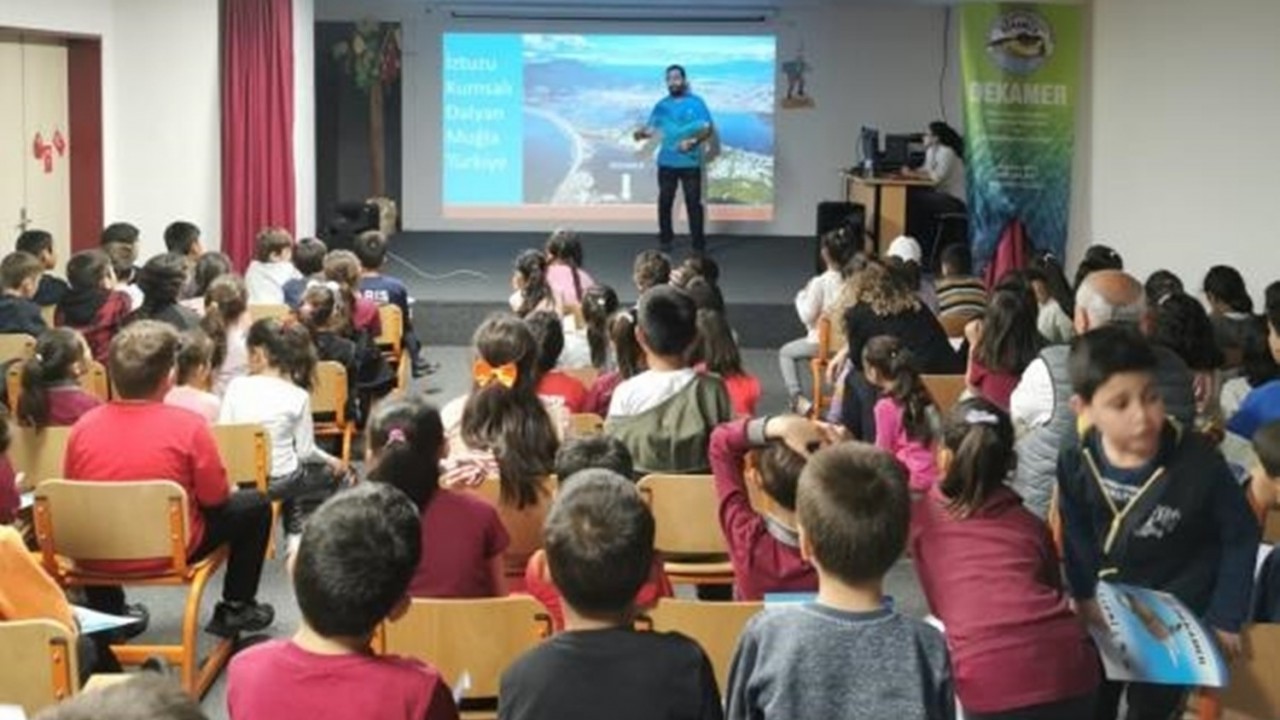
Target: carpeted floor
(450,381)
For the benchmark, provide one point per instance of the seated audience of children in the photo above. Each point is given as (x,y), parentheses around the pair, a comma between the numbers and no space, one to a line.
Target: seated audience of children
(308,259)
(93,306)
(39,244)
(814,301)
(1262,405)
(1054,300)
(20,275)
(845,654)
(382,289)
(651,268)
(51,392)
(175,444)
(530,290)
(599,452)
(120,243)
(1230,310)
(764,547)
(665,414)
(271,267)
(352,571)
(989,571)
(569,282)
(193,376)
(599,544)
(627,361)
(462,536)
(183,238)
(907,420)
(717,352)
(1180,323)
(208,267)
(160,280)
(226,321)
(1003,344)
(548,333)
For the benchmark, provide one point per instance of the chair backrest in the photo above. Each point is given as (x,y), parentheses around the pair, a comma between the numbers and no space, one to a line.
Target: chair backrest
(330,392)
(713,625)
(48,313)
(945,389)
(476,636)
(246,453)
(95,521)
(16,346)
(830,336)
(275,311)
(954,324)
(1271,526)
(38,664)
(523,525)
(1255,679)
(392,337)
(94,381)
(685,513)
(585,425)
(38,453)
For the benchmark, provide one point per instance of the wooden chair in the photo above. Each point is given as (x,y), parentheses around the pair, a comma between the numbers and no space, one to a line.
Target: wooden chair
(954,324)
(945,389)
(263,311)
(80,523)
(38,453)
(38,665)
(16,346)
(329,402)
(479,637)
(1254,689)
(1271,527)
(246,452)
(585,425)
(713,625)
(391,343)
(48,313)
(523,525)
(94,381)
(687,533)
(830,340)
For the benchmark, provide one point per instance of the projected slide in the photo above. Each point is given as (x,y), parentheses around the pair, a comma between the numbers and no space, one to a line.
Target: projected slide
(540,126)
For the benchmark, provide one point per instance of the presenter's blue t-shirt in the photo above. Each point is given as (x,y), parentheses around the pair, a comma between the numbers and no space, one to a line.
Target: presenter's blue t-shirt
(677,118)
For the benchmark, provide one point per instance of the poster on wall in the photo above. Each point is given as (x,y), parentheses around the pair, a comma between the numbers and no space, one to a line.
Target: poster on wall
(1021,73)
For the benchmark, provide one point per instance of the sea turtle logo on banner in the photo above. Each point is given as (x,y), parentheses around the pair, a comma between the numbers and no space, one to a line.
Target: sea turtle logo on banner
(1020,41)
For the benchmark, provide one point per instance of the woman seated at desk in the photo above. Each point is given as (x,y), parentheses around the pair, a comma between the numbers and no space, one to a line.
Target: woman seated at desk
(944,167)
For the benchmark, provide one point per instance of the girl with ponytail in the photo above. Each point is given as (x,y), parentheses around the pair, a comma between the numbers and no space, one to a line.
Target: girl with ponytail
(569,282)
(226,321)
(532,293)
(277,395)
(990,574)
(51,393)
(906,419)
(462,536)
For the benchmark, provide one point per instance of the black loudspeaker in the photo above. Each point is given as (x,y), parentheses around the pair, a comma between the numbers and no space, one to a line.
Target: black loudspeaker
(833,215)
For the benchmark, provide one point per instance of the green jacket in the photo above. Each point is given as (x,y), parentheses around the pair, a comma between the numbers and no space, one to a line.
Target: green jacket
(673,437)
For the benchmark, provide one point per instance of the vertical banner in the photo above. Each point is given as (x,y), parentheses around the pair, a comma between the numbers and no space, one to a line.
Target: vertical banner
(1021,73)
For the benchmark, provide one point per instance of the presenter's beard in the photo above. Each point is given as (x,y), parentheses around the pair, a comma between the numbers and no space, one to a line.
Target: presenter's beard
(676,90)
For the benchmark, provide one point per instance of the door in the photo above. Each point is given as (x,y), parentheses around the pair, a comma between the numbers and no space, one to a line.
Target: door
(48,147)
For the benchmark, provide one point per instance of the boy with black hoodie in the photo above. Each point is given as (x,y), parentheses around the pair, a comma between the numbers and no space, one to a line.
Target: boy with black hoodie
(1145,503)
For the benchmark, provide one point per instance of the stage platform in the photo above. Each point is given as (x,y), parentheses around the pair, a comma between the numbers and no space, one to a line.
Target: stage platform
(457,278)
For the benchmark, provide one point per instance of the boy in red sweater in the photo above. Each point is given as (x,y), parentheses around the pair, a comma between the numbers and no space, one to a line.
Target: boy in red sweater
(137,437)
(352,570)
(765,549)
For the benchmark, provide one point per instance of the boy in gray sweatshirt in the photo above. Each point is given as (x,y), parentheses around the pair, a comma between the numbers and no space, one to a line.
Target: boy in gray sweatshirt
(845,656)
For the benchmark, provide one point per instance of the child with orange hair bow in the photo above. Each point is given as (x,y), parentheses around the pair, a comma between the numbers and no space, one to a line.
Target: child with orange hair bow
(502,425)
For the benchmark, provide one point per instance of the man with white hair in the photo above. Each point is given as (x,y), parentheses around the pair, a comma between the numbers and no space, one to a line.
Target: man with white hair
(1040,405)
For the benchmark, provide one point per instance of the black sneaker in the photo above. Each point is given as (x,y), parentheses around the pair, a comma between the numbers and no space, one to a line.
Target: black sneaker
(138,612)
(232,618)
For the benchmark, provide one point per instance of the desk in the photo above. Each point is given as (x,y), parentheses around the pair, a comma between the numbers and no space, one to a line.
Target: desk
(885,200)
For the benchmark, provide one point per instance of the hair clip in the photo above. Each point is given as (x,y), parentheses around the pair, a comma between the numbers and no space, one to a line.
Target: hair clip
(394,436)
(981,417)
(484,373)
(37,357)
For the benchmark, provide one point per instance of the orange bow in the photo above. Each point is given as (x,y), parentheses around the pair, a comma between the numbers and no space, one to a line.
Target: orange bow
(484,373)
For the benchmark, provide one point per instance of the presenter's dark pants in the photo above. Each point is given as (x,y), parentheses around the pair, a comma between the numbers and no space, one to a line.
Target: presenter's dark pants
(924,206)
(690,179)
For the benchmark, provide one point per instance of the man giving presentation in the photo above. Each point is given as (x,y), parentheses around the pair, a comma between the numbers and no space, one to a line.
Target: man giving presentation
(683,124)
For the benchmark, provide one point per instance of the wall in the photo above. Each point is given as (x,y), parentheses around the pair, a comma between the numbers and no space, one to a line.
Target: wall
(304,117)
(873,65)
(167,158)
(1184,114)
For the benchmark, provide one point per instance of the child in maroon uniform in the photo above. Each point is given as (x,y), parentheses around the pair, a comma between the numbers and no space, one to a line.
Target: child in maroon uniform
(351,571)
(764,549)
(989,572)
